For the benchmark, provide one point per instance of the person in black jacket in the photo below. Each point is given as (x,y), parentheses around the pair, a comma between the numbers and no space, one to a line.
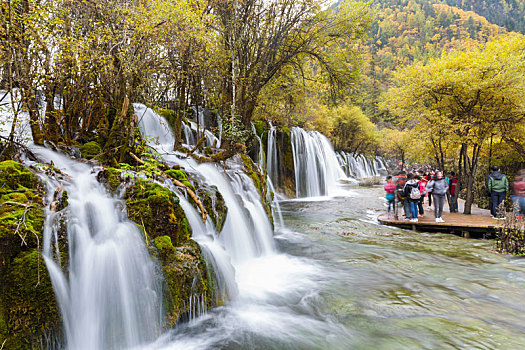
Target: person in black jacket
(413,195)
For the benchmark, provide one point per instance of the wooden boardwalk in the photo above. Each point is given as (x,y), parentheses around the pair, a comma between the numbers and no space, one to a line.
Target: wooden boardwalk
(477,225)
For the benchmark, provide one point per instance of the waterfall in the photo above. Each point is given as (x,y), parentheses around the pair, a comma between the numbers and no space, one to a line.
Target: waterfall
(358,166)
(207,238)
(189,138)
(211,139)
(260,153)
(109,295)
(317,169)
(247,233)
(271,156)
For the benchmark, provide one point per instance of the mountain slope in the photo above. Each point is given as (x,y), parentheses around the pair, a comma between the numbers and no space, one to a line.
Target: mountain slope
(415,30)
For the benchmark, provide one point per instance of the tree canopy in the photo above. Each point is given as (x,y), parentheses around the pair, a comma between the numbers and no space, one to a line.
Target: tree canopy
(463,98)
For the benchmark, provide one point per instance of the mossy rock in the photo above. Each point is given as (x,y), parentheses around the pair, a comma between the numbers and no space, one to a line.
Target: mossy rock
(181,176)
(28,309)
(185,273)
(90,150)
(286,163)
(215,205)
(27,220)
(14,176)
(63,200)
(29,301)
(158,211)
(111,177)
(22,210)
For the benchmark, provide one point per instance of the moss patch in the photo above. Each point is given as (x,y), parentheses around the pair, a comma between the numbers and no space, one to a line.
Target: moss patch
(15,176)
(28,307)
(158,211)
(185,274)
(90,150)
(29,300)
(180,175)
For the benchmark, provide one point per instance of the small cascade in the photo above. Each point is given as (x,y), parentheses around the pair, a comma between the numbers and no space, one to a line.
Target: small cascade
(260,153)
(109,295)
(189,138)
(271,156)
(158,126)
(208,239)
(247,232)
(359,166)
(211,139)
(317,169)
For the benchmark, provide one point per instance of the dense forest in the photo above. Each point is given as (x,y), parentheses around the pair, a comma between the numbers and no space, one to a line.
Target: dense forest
(415,31)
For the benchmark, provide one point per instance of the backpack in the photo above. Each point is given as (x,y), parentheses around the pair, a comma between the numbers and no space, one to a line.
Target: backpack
(415,193)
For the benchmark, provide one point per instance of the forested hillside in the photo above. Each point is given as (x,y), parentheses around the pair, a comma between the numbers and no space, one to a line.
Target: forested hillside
(507,13)
(408,31)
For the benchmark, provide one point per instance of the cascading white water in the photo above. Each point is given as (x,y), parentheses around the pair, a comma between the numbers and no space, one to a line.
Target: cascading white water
(207,237)
(276,210)
(271,155)
(359,166)
(109,295)
(163,135)
(317,170)
(189,138)
(247,233)
(260,153)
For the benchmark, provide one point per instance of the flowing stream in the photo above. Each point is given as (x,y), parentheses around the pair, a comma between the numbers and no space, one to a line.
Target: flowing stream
(331,277)
(338,280)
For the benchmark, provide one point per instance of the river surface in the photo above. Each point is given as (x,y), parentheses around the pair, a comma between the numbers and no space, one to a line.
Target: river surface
(342,281)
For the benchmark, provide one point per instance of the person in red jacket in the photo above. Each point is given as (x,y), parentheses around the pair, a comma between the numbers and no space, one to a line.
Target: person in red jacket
(518,196)
(454,190)
(390,188)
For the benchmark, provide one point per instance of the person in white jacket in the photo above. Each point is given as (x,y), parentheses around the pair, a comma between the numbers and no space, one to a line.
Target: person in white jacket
(439,187)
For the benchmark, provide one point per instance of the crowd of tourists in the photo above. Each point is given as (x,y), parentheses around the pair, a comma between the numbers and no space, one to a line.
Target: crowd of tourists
(408,191)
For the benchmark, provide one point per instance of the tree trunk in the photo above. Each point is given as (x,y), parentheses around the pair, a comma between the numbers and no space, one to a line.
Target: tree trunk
(177,130)
(470,195)
(471,170)
(51,126)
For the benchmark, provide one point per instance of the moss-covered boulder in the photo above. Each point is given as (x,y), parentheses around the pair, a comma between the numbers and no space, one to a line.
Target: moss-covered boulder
(29,301)
(157,210)
(28,309)
(14,176)
(90,150)
(214,203)
(286,164)
(185,274)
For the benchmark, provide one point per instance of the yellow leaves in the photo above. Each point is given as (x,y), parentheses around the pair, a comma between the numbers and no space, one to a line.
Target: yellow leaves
(463,94)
